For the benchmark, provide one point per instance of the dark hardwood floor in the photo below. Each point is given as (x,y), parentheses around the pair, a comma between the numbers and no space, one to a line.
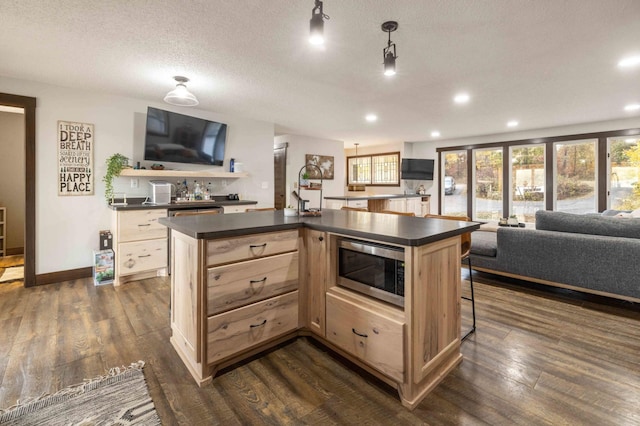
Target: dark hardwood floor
(537,358)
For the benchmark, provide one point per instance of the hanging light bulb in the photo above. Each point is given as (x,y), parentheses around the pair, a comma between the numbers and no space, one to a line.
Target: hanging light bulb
(389,52)
(316,33)
(180,95)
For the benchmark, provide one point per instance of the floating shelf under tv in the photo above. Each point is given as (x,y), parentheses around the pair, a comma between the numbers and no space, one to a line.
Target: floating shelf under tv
(181,173)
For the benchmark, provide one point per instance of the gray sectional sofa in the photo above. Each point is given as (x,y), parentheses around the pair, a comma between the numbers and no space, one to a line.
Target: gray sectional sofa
(592,253)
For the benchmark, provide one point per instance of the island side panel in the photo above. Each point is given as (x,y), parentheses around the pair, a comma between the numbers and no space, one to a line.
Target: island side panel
(434,326)
(187,304)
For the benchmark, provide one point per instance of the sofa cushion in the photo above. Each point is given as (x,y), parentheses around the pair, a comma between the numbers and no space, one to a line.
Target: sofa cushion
(484,243)
(588,224)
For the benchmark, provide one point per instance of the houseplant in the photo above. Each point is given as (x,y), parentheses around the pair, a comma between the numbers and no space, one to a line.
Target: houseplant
(115,164)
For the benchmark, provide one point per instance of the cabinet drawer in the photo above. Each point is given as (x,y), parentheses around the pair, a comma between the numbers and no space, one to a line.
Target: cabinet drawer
(371,337)
(239,284)
(142,256)
(243,328)
(251,247)
(136,225)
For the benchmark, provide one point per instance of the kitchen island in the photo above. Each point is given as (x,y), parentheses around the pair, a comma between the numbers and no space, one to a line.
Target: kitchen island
(243,283)
(416,203)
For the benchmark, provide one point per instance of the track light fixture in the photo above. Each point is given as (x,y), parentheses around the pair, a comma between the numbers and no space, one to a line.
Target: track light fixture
(316,34)
(389,52)
(180,95)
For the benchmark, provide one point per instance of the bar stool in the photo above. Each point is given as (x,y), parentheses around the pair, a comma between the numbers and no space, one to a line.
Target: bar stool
(398,213)
(465,249)
(354,209)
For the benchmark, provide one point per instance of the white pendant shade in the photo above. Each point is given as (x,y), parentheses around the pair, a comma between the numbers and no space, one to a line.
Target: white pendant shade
(180,95)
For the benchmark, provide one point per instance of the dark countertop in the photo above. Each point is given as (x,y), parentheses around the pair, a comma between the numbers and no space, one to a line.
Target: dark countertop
(137,204)
(403,230)
(374,197)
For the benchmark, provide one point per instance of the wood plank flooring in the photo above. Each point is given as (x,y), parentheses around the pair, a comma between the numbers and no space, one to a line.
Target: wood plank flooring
(537,358)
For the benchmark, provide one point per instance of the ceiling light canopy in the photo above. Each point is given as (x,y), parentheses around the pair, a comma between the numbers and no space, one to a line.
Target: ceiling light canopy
(461,98)
(316,25)
(180,95)
(389,53)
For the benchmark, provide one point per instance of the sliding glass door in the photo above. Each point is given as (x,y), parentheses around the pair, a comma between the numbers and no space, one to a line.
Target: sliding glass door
(624,173)
(488,195)
(454,184)
(575,176)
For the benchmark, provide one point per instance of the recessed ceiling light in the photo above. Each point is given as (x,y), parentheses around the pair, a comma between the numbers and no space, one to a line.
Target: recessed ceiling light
(631,61)
(513,123)
(435,134)
(632,107)
(461,98)
(371,118)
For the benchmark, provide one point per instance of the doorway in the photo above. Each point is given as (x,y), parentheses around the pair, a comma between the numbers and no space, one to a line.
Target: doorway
(280,175)
(28,104)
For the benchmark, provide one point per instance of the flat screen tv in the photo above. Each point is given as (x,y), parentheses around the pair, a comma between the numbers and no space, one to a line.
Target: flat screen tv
(417,169)
(177,138)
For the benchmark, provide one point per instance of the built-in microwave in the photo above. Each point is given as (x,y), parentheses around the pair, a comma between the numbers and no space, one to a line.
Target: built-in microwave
(376,270)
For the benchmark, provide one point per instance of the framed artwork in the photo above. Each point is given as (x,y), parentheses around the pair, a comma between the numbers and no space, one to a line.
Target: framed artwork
(322,162)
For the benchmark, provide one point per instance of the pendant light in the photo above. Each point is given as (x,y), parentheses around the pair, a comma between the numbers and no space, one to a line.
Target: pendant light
(180,95)
(389,52)
(316,25)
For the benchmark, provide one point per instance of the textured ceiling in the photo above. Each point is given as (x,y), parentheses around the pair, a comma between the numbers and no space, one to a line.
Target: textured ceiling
(544,62)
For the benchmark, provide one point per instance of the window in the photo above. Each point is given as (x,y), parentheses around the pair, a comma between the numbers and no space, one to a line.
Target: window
(527,181)
(455,184)
(624,173)
(488,184)
(374,170)
(575,176)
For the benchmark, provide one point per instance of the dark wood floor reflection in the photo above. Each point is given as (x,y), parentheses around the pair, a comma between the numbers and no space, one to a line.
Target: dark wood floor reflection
(537,358)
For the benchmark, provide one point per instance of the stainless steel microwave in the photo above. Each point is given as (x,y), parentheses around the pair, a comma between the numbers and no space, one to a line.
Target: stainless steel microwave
(376,270)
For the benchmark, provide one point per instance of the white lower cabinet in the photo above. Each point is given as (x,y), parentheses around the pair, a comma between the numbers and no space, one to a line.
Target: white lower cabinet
(140,244)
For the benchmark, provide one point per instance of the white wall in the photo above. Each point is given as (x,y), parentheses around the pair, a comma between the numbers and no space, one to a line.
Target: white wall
(428,149)
(67,227)
(12,181)
(299,146)
(406,186)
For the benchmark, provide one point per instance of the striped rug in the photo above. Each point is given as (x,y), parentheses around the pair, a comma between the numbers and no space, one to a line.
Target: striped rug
(120,397)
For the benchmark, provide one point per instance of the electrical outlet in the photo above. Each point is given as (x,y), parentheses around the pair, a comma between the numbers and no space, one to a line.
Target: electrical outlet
(224,182)
(134,183)
(265,185)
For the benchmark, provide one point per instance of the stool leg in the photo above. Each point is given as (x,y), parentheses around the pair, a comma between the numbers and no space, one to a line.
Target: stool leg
(473,301)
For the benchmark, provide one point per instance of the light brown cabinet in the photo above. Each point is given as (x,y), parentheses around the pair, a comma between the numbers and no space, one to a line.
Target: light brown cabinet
(374,333)
(140,244)
(315,244)
(232,296)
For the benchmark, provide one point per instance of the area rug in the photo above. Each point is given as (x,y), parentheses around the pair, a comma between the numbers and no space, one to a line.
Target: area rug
(120,397)
(11,269)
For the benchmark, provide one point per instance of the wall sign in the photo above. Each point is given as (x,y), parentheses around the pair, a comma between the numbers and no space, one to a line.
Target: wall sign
(75,158)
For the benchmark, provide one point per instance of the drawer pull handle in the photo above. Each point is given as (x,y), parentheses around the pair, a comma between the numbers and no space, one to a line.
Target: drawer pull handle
(146,224)
(264,321)
(258,281)
(146,255)
(252,246)
(359,334)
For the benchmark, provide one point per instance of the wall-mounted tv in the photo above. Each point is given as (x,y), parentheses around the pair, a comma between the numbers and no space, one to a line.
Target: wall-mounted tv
(417,169)
(177,138)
